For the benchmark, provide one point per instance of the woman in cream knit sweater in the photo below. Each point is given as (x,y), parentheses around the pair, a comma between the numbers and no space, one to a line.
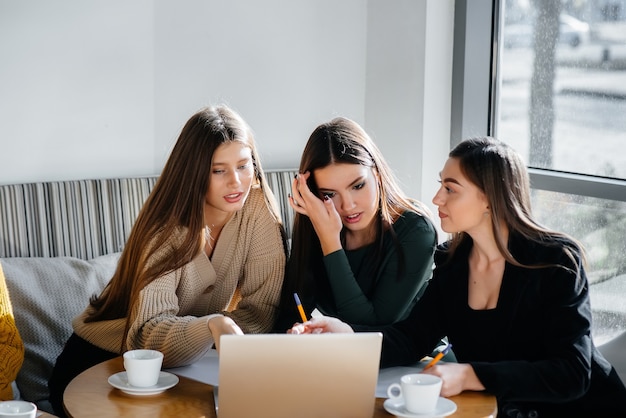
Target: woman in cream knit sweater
(205,257)
(11,345)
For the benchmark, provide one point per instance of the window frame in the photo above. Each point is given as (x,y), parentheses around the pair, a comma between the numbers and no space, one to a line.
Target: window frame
(477,25)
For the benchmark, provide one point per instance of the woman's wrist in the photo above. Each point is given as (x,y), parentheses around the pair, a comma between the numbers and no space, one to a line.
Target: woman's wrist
(210,317)
(472,382)
(330,249)
(330,246)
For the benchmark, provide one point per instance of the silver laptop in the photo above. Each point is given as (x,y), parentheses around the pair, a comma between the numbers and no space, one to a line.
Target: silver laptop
(284,375)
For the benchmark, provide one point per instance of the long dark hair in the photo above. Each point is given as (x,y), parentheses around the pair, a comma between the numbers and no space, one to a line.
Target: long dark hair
(175,208)
(500,173)
(343,141)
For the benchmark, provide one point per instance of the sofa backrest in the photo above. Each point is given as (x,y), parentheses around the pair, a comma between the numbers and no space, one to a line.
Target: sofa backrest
(88,218)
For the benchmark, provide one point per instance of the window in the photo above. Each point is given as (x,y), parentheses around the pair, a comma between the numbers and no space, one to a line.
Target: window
(557,93)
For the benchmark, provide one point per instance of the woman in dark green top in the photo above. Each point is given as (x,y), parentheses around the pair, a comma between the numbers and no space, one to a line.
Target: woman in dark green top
(361,249)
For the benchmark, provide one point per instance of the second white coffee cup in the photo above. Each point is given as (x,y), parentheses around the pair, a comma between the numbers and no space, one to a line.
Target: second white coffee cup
(143,367)
(420,392)
(17,409)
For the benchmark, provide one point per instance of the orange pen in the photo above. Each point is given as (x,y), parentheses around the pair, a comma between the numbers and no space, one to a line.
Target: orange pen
(439,356)
(300,308)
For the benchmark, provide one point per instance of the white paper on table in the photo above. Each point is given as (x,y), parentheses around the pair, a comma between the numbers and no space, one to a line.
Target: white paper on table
(206,370)
(392,375)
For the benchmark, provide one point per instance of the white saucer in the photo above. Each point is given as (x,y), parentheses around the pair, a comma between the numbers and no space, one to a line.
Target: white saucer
(166,381)
(396,407)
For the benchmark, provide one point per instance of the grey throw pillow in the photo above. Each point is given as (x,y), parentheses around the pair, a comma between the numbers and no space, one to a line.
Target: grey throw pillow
(47,293)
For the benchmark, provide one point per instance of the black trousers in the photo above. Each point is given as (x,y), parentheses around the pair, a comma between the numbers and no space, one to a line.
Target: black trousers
(77,356)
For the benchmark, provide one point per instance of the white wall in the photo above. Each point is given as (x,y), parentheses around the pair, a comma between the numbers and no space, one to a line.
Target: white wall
(284,65)
(100,88)
(76,89)
(409,88)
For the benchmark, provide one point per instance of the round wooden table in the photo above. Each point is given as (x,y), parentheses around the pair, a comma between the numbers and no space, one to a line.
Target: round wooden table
(91,395)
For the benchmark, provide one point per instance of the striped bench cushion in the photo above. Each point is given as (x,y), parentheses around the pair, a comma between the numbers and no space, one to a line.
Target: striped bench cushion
(87,218)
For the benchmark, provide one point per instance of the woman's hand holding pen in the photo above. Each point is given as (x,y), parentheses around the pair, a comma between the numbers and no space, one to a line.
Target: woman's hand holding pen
(320,325)
(322,213)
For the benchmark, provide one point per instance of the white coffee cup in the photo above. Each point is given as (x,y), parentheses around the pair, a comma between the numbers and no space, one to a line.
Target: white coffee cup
(419,391)
(17,409)
(143,367)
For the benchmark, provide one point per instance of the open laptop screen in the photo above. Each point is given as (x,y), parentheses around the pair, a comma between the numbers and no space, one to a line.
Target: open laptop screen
(311,375)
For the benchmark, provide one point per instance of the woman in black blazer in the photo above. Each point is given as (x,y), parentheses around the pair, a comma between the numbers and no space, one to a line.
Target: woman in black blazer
(511,295)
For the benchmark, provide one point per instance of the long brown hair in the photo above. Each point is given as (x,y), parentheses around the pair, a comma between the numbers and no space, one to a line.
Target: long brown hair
(175,208)
(344,141)
(500,173)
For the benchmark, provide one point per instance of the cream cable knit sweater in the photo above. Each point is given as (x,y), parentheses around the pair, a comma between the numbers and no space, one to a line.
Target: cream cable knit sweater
(174,310)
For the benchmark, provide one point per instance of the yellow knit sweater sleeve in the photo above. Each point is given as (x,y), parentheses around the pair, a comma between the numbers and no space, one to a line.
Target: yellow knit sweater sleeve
(11,345)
